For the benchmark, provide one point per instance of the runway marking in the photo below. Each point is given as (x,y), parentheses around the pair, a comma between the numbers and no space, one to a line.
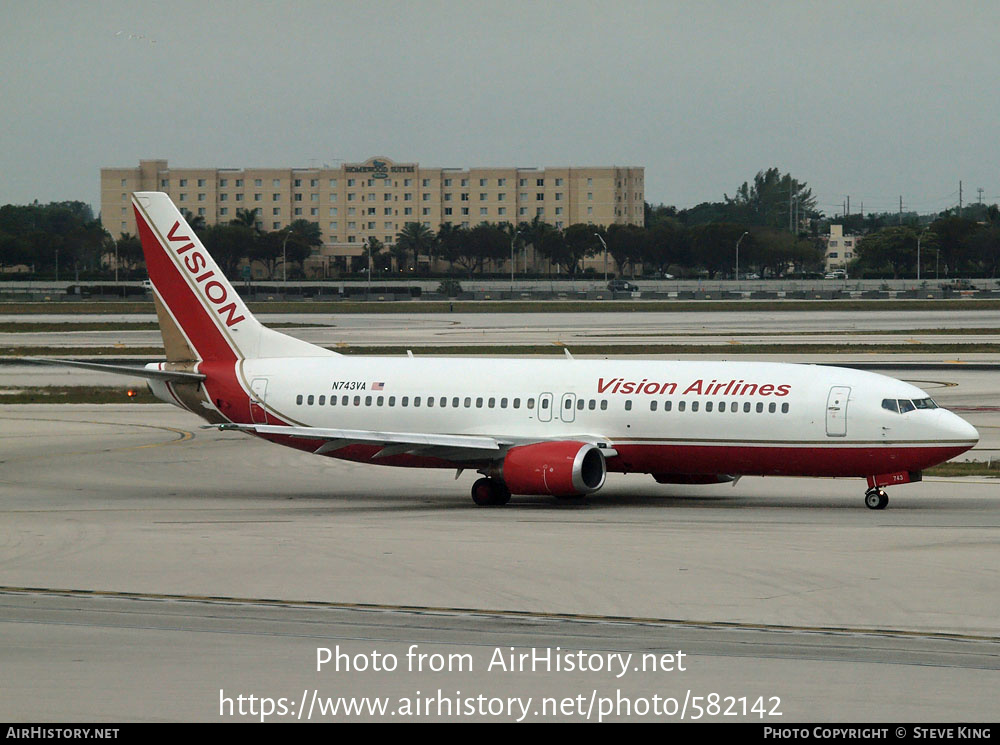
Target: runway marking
(512,614)
(183,435)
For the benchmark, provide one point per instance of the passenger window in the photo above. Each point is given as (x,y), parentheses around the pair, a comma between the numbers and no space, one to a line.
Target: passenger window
(904,406)
(722,406)
(889,404)
(298,399)
(443,402)
(517,403)
(333,400)
(492,403)
(784,408)
(531,403)
(708,406)
(380,400)
(454,403)
(568,404)
(479,403)
(694,406)
(580,404)
(604,405)
(404,401)
(652,405)
(503,403)
(468,402)
(392,400)
(681,405)
(309,400)
(416,400)
(772,407)
(343,401)
(746,407)
(667,405)
(368,400)
(760,407)
(545,403)
(357,400)
(592,404)
(628,405)
(322,400)
(430,400)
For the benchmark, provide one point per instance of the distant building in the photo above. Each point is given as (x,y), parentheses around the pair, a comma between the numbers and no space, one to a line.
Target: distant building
(378,197)
(840,248)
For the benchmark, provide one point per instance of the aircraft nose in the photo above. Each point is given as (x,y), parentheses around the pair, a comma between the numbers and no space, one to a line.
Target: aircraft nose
(957,428)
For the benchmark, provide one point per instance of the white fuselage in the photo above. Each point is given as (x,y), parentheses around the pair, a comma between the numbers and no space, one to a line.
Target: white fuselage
(684,417)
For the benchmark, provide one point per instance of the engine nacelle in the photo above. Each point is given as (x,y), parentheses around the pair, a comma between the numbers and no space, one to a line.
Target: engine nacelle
(561,469)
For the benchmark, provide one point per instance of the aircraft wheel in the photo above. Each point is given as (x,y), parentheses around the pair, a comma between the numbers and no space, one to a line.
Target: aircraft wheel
(876,499)
(490,492)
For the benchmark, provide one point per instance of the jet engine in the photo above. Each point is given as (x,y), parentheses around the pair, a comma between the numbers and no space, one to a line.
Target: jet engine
(561,469)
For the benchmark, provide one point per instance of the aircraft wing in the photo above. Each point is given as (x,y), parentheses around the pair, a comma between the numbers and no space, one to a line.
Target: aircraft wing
(167,376)
(448,447)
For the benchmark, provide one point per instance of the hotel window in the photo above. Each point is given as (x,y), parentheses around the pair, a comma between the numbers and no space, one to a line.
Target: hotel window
(425,182)
(164,183)
(539,197)
(447,211)
(275,197)
(183,197)
(447,197)
(465,182)
(275,225)
(257,197)
(276,182)
(276,210)
(482,196)
(297,182)
(501,196)
(333,183)
(559,182)
(239,183)
(258,182)
(484,211)
(184,182)
(407,182)
(351,181)
(201,182)
(502,211)
(223,197)
(333,212)
(351,196)
(407,210)
(297,211)
(447,182)
(465,210)
(333,226)
(425,197)
(501,182)
(540,182)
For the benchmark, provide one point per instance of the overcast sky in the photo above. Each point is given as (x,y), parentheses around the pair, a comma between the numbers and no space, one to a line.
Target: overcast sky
(868,99)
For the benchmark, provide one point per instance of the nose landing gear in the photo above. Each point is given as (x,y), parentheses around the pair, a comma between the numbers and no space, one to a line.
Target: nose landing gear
(876,498)
(490,493)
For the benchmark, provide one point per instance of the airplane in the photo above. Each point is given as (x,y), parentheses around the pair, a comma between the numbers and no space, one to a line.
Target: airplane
(527,426)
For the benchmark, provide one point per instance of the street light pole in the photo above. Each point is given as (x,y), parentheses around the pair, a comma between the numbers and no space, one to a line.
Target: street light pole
(284,264)
(919,238)
(513,238)
(605,256)
(738,255)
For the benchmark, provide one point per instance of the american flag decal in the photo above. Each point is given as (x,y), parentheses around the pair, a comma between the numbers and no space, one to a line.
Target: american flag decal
(378,386)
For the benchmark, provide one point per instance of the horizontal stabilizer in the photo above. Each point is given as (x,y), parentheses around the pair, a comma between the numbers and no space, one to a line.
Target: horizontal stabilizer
(167,376)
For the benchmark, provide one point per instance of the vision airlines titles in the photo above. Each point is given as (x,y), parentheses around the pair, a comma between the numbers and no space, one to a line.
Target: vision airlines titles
(697,388)
(558,660)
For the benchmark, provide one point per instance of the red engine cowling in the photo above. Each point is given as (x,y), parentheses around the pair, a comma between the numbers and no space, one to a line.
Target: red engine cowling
(561,469)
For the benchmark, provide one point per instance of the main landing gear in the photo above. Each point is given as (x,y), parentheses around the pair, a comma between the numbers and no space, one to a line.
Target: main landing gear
(490,493)
(876,498)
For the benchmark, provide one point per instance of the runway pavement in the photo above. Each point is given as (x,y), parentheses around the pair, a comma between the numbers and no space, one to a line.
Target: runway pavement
(784,588)
(476,329)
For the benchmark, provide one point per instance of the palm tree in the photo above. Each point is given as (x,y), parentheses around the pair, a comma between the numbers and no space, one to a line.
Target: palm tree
(416,239)
(244,217)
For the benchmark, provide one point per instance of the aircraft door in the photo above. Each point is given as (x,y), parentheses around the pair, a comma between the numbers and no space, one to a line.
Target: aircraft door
(258,395)
(545,407)
(567,410)
(836,411)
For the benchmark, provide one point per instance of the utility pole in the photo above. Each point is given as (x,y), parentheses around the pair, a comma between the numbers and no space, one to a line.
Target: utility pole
(900,209)
(959,198)
(980,190)
(848,204)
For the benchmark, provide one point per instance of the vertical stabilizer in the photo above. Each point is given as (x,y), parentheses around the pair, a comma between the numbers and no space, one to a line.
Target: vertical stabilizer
(199,311)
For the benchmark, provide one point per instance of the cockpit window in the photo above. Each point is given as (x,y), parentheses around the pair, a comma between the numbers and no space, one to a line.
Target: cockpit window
(903,405)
